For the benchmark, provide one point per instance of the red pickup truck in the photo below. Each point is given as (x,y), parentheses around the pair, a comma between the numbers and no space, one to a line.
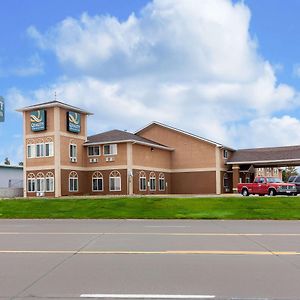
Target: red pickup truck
(267,186)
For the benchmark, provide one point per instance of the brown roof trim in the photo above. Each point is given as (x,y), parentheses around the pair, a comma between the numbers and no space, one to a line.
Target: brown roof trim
(53,104)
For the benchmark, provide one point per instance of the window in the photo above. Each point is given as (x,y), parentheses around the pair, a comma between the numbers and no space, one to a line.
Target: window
(73,182)
(49,149)
(256,180)
(297,179)
(114,181)
(30,151)
(31,182)
(142,181)
(152,181)
(40,150)
(161,182)
(261,180)
(110,149)
(49,182)
(97,182)
(73,151)
(226,181)
(93,150)
(225,153)
(40,182)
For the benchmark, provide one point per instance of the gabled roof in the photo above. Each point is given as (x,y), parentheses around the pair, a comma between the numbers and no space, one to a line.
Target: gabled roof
(119,136)
(265,155)
(183,132)
(53,104)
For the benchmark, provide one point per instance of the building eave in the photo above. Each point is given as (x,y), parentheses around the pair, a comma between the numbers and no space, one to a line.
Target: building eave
(185,133)
(54,104)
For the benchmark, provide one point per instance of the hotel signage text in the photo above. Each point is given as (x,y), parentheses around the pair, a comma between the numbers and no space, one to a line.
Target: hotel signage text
(38,120)
(73,121)
(2,109)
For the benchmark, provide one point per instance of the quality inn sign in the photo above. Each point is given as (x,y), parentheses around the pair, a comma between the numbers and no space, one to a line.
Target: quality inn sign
(1,109)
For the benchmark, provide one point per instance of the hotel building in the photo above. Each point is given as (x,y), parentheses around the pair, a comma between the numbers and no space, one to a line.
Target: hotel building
(60,159)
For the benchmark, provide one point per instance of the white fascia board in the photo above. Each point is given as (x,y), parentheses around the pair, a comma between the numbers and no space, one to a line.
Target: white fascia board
(183,132)
(47,105)
(129,141)
(262,161)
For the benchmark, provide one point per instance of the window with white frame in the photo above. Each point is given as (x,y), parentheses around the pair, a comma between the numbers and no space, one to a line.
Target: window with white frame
(161,182)
(40,147)
(97,182)
(152,181)
(225,153)
(93,150)
(110,149)
(226,181)
(49,182)
(142,181)
(49,149)
(31,182)
(73,182)
(40,182)
(73,151)
(30,150)
(114,181)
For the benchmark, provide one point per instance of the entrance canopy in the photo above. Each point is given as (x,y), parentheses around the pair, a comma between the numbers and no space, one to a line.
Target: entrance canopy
(263,157)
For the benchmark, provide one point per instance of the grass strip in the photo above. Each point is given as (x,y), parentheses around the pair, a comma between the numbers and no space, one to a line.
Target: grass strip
(227,208)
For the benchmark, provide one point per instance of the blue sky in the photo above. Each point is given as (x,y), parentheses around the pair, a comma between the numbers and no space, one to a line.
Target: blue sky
(226,70)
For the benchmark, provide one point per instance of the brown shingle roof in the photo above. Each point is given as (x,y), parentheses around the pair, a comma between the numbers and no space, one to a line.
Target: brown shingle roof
(120,136)
(265,154)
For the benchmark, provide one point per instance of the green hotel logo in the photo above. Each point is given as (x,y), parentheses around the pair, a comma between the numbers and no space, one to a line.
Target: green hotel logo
(38,120)
(2,112)
(73,121)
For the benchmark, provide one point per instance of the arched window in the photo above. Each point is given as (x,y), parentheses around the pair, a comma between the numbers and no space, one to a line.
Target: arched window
(152,180)
(49,182)
(97,182)
(31,182)
(40,182)
(161,182)
(142,181)
(73,182)
(114,181)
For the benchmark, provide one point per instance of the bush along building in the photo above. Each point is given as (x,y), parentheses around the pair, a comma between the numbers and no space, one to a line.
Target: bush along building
(61,160)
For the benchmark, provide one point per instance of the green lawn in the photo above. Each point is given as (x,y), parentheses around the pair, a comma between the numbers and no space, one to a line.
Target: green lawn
(278,208)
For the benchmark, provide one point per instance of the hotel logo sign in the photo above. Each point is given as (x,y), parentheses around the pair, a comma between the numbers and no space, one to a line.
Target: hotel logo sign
(38,120)
(2,112)
(73,122)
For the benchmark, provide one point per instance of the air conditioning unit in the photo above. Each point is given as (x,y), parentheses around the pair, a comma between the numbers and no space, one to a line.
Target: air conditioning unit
(40,194)
(110,159)
(73,159)
(93,160)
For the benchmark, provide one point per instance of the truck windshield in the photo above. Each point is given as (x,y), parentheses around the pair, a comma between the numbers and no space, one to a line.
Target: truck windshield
(273,180)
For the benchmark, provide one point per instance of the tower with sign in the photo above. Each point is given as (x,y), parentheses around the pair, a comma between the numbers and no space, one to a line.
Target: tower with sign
(54,134)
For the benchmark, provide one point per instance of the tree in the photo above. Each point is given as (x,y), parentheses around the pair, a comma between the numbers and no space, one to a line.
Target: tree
(289,171)
(7,161)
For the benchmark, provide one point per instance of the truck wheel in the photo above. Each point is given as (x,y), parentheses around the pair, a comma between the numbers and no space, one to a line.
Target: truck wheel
(272,192)
(245,192)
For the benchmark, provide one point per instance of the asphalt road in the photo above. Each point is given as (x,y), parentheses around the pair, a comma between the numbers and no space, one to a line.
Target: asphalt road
(109,259)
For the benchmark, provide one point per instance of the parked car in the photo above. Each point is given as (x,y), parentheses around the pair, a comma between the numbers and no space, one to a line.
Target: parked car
(263,185)
(296,181)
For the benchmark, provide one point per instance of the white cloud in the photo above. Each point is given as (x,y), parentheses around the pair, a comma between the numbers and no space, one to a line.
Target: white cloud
(191,64)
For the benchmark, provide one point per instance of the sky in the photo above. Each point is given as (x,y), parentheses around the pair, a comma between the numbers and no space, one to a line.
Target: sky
(226,70)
